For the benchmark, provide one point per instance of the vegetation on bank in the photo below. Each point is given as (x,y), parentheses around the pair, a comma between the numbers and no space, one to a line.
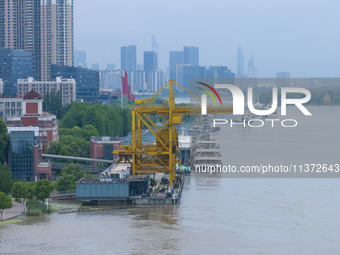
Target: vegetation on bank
(34,208)
(5,203)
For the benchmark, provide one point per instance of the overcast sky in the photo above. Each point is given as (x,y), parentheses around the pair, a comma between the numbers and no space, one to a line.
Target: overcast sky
(298,36)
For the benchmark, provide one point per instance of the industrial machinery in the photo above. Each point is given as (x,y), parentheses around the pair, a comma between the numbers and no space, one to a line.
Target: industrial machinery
(159,157)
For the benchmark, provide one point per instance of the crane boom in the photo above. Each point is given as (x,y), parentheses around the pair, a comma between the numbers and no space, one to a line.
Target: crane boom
(159,157)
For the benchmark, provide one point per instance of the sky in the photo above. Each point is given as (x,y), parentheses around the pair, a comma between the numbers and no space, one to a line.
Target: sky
(301,37)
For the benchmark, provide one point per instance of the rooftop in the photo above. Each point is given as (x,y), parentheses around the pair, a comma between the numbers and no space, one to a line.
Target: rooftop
(32,95)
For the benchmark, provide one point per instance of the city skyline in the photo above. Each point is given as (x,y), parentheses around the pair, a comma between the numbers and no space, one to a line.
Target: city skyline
(281,35)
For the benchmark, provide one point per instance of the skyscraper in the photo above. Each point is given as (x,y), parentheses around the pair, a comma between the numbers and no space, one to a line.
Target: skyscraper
(251,67)
(191,55)
(240,62)
(150,61)
(150,64)
(175,58)
(128,61)
(128,58)
(14,65)
(43,27)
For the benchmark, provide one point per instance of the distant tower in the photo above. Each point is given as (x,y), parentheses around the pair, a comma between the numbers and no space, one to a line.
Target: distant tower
(128,62)
(175,58)
(150,61)
(191,55)
(128,58)
(251,67)
(240,62)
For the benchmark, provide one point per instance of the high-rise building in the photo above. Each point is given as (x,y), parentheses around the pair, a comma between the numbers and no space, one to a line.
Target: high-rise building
(155,80)
(87,81)
(140,81)
(43,27)
(251,67)
(128,62)
(175,58)
(14,65)
(240,62)
(191,55)
(186,72)
(150,61)
(128,58)
(150,64)
(80,59)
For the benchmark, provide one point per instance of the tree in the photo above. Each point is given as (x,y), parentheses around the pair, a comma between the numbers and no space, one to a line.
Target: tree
(43,189)
(19,190)
(5,203)
(66,182)
(5,179)
(23,191)
(52,103)
(73,169)
(4,141)
(70,145)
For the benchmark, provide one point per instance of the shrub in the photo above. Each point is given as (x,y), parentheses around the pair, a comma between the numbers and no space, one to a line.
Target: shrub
(165,180)
(152,182)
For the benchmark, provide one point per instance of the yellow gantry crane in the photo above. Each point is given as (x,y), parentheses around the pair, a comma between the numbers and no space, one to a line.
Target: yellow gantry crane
(159,157)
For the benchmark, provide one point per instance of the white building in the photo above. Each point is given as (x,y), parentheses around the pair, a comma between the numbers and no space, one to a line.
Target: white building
(67,88)
(10,107)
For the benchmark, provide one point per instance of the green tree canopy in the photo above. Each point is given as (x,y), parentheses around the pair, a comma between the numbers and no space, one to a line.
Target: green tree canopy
(66,182)
(5,203)
(52,103)
(69,145)
(86,133)
(5,179)
(24,190)
(43,189)
(73,169)
(107,120)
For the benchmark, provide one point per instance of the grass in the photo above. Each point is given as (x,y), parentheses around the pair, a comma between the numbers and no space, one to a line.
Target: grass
(36,208)
(13,221)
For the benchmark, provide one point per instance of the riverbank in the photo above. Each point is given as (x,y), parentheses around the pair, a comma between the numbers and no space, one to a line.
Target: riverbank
(13,212)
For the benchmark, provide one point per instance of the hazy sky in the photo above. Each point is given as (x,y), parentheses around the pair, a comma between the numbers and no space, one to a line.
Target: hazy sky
(298,36)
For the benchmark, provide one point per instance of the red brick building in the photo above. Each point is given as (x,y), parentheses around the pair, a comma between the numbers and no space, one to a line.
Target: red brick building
(33,115)
(102,147)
